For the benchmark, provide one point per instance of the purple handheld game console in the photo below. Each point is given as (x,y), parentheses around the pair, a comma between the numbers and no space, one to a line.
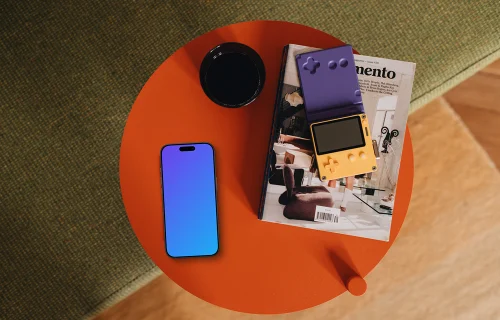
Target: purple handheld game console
(329,83)
(335,112)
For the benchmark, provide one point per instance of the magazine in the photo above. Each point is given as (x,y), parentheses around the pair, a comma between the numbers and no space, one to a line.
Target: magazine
(362,205)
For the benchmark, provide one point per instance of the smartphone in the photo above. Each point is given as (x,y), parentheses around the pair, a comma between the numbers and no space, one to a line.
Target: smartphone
(189,200)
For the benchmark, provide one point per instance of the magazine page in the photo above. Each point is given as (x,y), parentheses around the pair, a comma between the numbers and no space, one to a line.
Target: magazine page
(358,206)
(386,91)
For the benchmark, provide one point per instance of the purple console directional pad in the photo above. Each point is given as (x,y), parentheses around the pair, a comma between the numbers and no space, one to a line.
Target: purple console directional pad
(329,84)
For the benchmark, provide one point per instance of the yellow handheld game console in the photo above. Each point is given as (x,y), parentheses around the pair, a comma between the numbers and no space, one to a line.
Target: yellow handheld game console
(343,147)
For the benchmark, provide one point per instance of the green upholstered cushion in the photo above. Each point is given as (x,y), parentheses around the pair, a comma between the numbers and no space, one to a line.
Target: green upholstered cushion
(69,74)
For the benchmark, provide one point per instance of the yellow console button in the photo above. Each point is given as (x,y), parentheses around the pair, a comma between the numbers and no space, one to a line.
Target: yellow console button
(362,155)
(331,165)
(351,157)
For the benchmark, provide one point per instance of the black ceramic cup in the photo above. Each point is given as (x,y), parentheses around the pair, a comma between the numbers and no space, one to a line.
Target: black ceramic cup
(232,75)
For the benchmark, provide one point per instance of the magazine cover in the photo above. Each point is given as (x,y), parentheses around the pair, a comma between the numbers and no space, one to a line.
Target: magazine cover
(360,205)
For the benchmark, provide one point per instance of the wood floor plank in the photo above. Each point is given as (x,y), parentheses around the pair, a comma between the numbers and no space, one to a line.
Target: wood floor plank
(477,102)
(482,91)
(493,68)
(484,125)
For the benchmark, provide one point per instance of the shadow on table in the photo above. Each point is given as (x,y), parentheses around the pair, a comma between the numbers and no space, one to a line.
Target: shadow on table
(259,114)
(342,264)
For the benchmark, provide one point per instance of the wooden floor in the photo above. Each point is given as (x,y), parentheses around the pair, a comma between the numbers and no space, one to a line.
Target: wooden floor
(477,102)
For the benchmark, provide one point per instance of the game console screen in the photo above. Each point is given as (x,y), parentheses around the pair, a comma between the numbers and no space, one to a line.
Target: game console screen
(338,135)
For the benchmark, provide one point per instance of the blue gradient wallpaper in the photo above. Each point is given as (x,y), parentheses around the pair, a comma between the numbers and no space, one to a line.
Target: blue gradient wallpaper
(189,200)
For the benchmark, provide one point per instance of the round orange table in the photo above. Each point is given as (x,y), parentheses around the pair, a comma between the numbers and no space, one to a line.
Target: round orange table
(261,267)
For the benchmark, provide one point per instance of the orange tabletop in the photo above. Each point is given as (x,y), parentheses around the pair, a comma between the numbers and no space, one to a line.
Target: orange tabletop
(261,267)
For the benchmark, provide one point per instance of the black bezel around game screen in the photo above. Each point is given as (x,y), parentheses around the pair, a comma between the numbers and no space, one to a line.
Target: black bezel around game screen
(358,122)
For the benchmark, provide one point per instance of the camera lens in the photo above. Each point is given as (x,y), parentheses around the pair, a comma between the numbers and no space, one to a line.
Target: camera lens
(232,75)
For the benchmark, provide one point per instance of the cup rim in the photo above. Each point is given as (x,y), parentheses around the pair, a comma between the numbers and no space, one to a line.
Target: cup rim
(232,47)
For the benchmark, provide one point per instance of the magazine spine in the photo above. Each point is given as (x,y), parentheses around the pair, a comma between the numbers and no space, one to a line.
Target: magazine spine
(272,136)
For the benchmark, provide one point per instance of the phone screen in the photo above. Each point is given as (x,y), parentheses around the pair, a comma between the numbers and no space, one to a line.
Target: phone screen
(189,200)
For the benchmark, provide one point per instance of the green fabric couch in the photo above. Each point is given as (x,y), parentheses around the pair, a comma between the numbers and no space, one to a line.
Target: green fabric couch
(69,74)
